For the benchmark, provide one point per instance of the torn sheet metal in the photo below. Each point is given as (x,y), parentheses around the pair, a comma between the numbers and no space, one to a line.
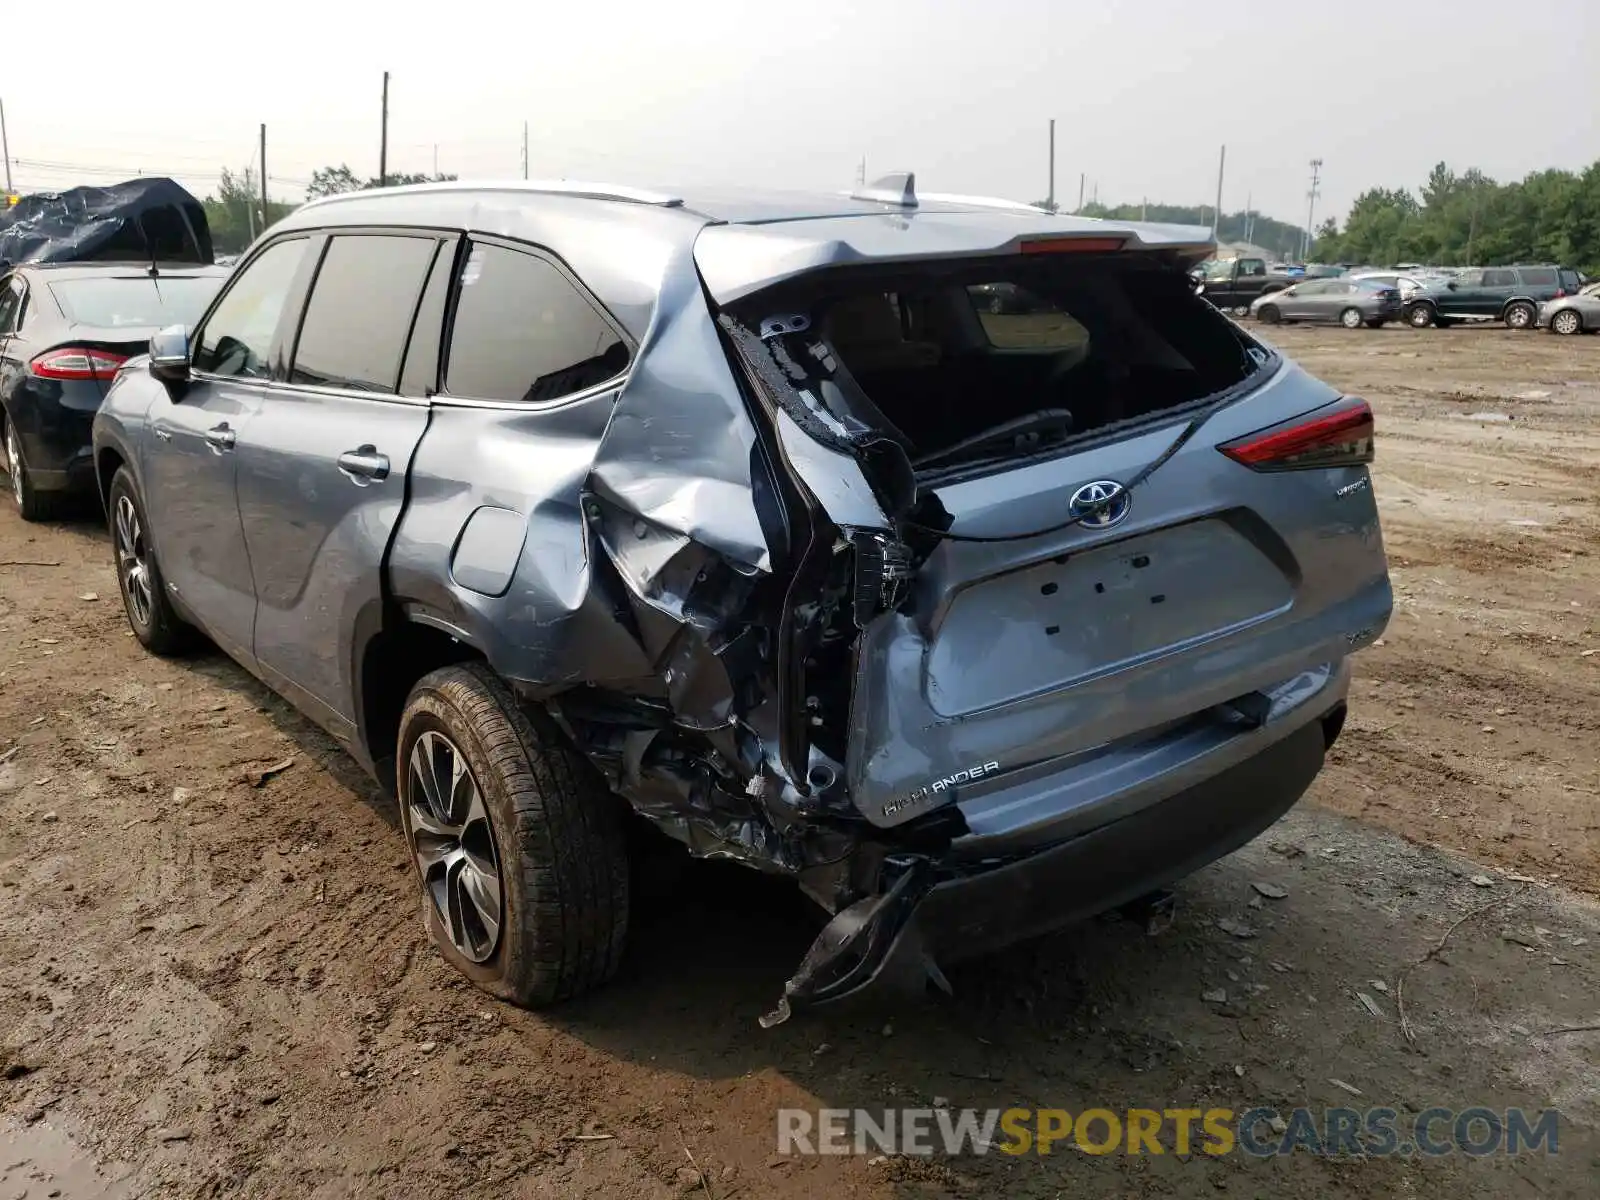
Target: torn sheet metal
(142,219)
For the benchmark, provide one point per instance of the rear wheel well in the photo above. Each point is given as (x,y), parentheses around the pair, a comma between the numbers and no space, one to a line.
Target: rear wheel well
(395,659)
(107,462)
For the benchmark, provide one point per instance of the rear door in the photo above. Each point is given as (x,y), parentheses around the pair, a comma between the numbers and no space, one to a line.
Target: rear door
(322,466)
(1499,285)
(189,462)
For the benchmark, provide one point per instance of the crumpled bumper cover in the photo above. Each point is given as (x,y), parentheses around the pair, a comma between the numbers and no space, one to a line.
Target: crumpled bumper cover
(894,940)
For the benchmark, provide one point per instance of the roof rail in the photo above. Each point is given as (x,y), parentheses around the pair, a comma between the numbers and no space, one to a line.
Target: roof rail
(899,189)
(550,187)
(986,202)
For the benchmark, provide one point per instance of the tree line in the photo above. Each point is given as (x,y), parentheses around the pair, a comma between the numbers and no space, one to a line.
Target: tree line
(1471,220)
(234,211)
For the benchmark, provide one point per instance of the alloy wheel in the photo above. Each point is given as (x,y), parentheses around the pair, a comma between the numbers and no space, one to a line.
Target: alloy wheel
(14,462)
(1350,318)
(453,845)
(1566,322)
(133,562)
(1517,317)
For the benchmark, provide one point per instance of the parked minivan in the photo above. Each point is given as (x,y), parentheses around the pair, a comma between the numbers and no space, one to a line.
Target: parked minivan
(741,515)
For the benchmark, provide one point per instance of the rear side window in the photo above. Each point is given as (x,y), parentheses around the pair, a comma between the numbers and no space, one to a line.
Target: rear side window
(1499,278)
(524,332)
(10,305)
(238,336)
(360,312)
(1539,276)
(420,376)
(1014,318)
(1570,280)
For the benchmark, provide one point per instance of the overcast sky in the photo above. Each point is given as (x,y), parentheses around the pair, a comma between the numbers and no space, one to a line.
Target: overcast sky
(793,95)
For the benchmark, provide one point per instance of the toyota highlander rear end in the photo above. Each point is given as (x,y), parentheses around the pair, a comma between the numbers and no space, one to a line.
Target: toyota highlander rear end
(1079,621)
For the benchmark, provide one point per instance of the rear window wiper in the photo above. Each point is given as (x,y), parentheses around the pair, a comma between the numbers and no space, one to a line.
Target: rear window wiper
(1020,435)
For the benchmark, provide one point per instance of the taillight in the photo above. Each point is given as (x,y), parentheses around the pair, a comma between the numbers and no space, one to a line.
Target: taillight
(76,362)
(1561,293)
(1337,439)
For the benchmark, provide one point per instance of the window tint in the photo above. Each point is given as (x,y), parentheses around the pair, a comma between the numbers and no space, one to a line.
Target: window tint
(1014,318)
(1469,278)
(113,302)
(1539,276)
(10,304)
(420,376)
(1570,280)
(523,331)
(1499,278)
(238,336)
(360,311)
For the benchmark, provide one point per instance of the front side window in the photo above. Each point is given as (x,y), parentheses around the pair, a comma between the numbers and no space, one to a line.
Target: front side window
(237,338)
(360,311)
(524,332)
(1499,279)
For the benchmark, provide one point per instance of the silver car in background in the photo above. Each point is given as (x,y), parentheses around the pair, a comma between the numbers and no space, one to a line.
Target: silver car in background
(1348,302)
(1572,314)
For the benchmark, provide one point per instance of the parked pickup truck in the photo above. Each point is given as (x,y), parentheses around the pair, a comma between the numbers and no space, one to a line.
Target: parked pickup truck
(1232,283)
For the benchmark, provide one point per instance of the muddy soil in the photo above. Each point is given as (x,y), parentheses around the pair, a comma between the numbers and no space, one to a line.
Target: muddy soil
(214,984)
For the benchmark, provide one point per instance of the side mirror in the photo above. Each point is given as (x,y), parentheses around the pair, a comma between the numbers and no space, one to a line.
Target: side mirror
(169,354)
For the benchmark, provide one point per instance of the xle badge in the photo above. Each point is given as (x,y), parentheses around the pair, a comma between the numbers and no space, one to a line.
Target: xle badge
(928,791)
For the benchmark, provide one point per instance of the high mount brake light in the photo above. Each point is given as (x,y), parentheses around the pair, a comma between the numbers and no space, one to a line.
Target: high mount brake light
(1071,245)
(1343,438)
(76,362)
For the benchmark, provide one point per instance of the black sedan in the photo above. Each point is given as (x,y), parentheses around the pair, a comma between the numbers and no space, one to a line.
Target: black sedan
(65,331)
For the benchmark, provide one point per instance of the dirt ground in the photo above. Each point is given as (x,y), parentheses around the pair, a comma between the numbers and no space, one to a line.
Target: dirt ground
(209,987)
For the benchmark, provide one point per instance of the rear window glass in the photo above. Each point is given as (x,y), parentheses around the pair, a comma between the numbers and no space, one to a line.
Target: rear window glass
(1539,276)
(135,300)
(1570,280)
(997,360)
(524,333)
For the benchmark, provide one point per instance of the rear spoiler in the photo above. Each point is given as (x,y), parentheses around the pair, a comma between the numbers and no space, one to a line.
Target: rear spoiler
(736,261)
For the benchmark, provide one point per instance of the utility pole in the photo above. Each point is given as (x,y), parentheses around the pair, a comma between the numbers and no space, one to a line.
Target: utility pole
(266,218)
(383,140)
(524,149)
(5,145)
(1144,209)
(1216,212)
(1050,196)
(1249,218)
(436,160)
(1311,206)
(861,172)
(1082,179)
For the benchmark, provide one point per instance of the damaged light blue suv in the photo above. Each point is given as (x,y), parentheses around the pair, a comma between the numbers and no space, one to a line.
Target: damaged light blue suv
(743,514)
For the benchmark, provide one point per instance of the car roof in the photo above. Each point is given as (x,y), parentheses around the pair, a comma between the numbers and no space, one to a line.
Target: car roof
(124,269)
(616,237)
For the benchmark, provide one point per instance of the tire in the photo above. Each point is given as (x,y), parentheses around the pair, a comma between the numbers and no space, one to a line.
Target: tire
(534,813)
(1268,314)
(1520,315)
(151,616)
(32,504)
(1240,310)
(1567,321)
(1351,318)
(1420,316)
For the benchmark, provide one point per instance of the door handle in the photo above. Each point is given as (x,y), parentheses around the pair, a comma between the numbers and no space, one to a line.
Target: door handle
(364,465)
(163,433)
(221,438)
